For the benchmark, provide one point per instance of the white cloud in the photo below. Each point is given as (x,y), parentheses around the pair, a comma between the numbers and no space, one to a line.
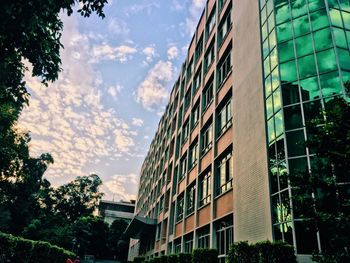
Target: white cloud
(114,90)
(196,9)
(118,27)
(152,92)
(137,122)
(150,53)
(172,52)
(68,119)
(178,5)
(122,186)
(106,52)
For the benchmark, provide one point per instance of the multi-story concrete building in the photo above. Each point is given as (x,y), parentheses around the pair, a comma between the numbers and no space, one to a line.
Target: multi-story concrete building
(110,210)
(215,173)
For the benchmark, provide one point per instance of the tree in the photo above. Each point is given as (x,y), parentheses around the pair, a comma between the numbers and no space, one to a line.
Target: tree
(78,198)
(117,244)
(322,197)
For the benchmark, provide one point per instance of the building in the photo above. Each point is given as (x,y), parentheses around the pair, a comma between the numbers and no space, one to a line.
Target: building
(256,70)
(110,210)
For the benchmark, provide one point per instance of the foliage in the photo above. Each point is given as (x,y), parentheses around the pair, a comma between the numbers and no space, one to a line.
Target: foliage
(173,259)
(202,255)
(19,250)
(117,245)
(139,259)
(185,258)
(262,252)
(323,201)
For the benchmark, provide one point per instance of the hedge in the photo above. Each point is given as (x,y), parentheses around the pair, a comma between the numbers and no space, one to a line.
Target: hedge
(204,255)
(262,252)
(19,250)
(185,258)
(139,259)
(173,259)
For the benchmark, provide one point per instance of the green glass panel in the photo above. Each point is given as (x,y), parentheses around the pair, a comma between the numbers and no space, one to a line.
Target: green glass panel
(271,130)
(330,84)
(292,117)
(284,31)
(303,45)
(271,22)
(264,31)
(298,8)
(333,3)
(290,93)
(268,86)
(336,17)
(326,60)
(286,51)
(279,123)
(345,5)
(269,6)
(319,19)
(266,48)
(282,13)
(269,107)
(273,58)
(275,80)
(323,39)
(340,37)
(280,149)
(275,204)
(283,173)
(297,165)
(307,66)
(346,80)
(312,110)
(277,100)
(344,59)
(263,15)
(295,143)
(274,179)
(267,66)
(285,209)
(301,26)
(346,19)
(309,89)
(348,36)
(288,71)
(315,4)
(272,39)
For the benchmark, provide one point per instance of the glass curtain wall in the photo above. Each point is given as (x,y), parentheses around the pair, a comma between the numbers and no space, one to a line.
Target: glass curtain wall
(306,62)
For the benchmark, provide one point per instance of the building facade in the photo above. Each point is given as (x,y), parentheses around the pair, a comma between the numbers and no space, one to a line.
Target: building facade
(215,173)
(111,211)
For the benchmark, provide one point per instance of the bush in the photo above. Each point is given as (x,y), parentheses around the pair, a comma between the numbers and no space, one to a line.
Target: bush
(139,259)
(262,252)
(163,259)
(185,258)
(202,255)
(173,259)
(19,250)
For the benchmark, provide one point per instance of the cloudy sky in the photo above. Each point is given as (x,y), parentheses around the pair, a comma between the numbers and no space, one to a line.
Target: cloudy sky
(101,114)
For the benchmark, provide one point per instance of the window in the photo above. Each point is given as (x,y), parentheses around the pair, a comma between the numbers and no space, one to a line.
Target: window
(195,116)
(207,138)
(187,99)
(224,67)
(180,208)
(183,165)
(189,243)
(204,238)
(221,3)
(224,174)
(197,79)
(191,196)
(224,27)
(185,131)
(193,155)
(204,189)
(224,237)
(224,118)
(199,48)
(208,94)
(210,23)
(209,57)
(177,246)
(189,70)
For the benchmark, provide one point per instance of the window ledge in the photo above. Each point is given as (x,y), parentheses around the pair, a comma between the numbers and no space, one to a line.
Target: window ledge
(224,130)
(190,214)
(224,38)
(223,193)
(206,150)
(202,206)
(224,80)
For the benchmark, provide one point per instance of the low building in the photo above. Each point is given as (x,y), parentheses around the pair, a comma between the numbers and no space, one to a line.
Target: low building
(111,210)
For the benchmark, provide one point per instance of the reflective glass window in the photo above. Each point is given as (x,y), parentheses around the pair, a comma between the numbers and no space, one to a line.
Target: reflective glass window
(269,107)
(295,143)
(271,130)
(336,17)
(290,93)
(307,66)
(286,51)
(268,86)
(292,117)
(277,100)
(301,26)
(272,39)
(340,37)
(279,123)
(312,110)
(282,12)
(319,19)
(303,45)
(346,20)
(288,71)
(315,4)
(274,79)
(326,60)
(284,31)
(298,8)
(344,58)
(345,5)
(309,89)
(323,39)
(330,84)
(306,238)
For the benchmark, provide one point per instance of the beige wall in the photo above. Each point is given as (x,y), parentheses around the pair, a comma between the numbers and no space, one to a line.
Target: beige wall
(252,217)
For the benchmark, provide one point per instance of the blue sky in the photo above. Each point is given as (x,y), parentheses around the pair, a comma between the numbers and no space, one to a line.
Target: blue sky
(102,113)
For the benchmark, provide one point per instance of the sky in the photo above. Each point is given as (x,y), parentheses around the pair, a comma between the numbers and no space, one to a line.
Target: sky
(103,111)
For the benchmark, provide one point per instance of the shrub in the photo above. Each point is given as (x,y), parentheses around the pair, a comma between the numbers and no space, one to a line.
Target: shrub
(262,252)
(173,259)
(203,255)
(139,259)
(163,259)
(185,258)
(19,250)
